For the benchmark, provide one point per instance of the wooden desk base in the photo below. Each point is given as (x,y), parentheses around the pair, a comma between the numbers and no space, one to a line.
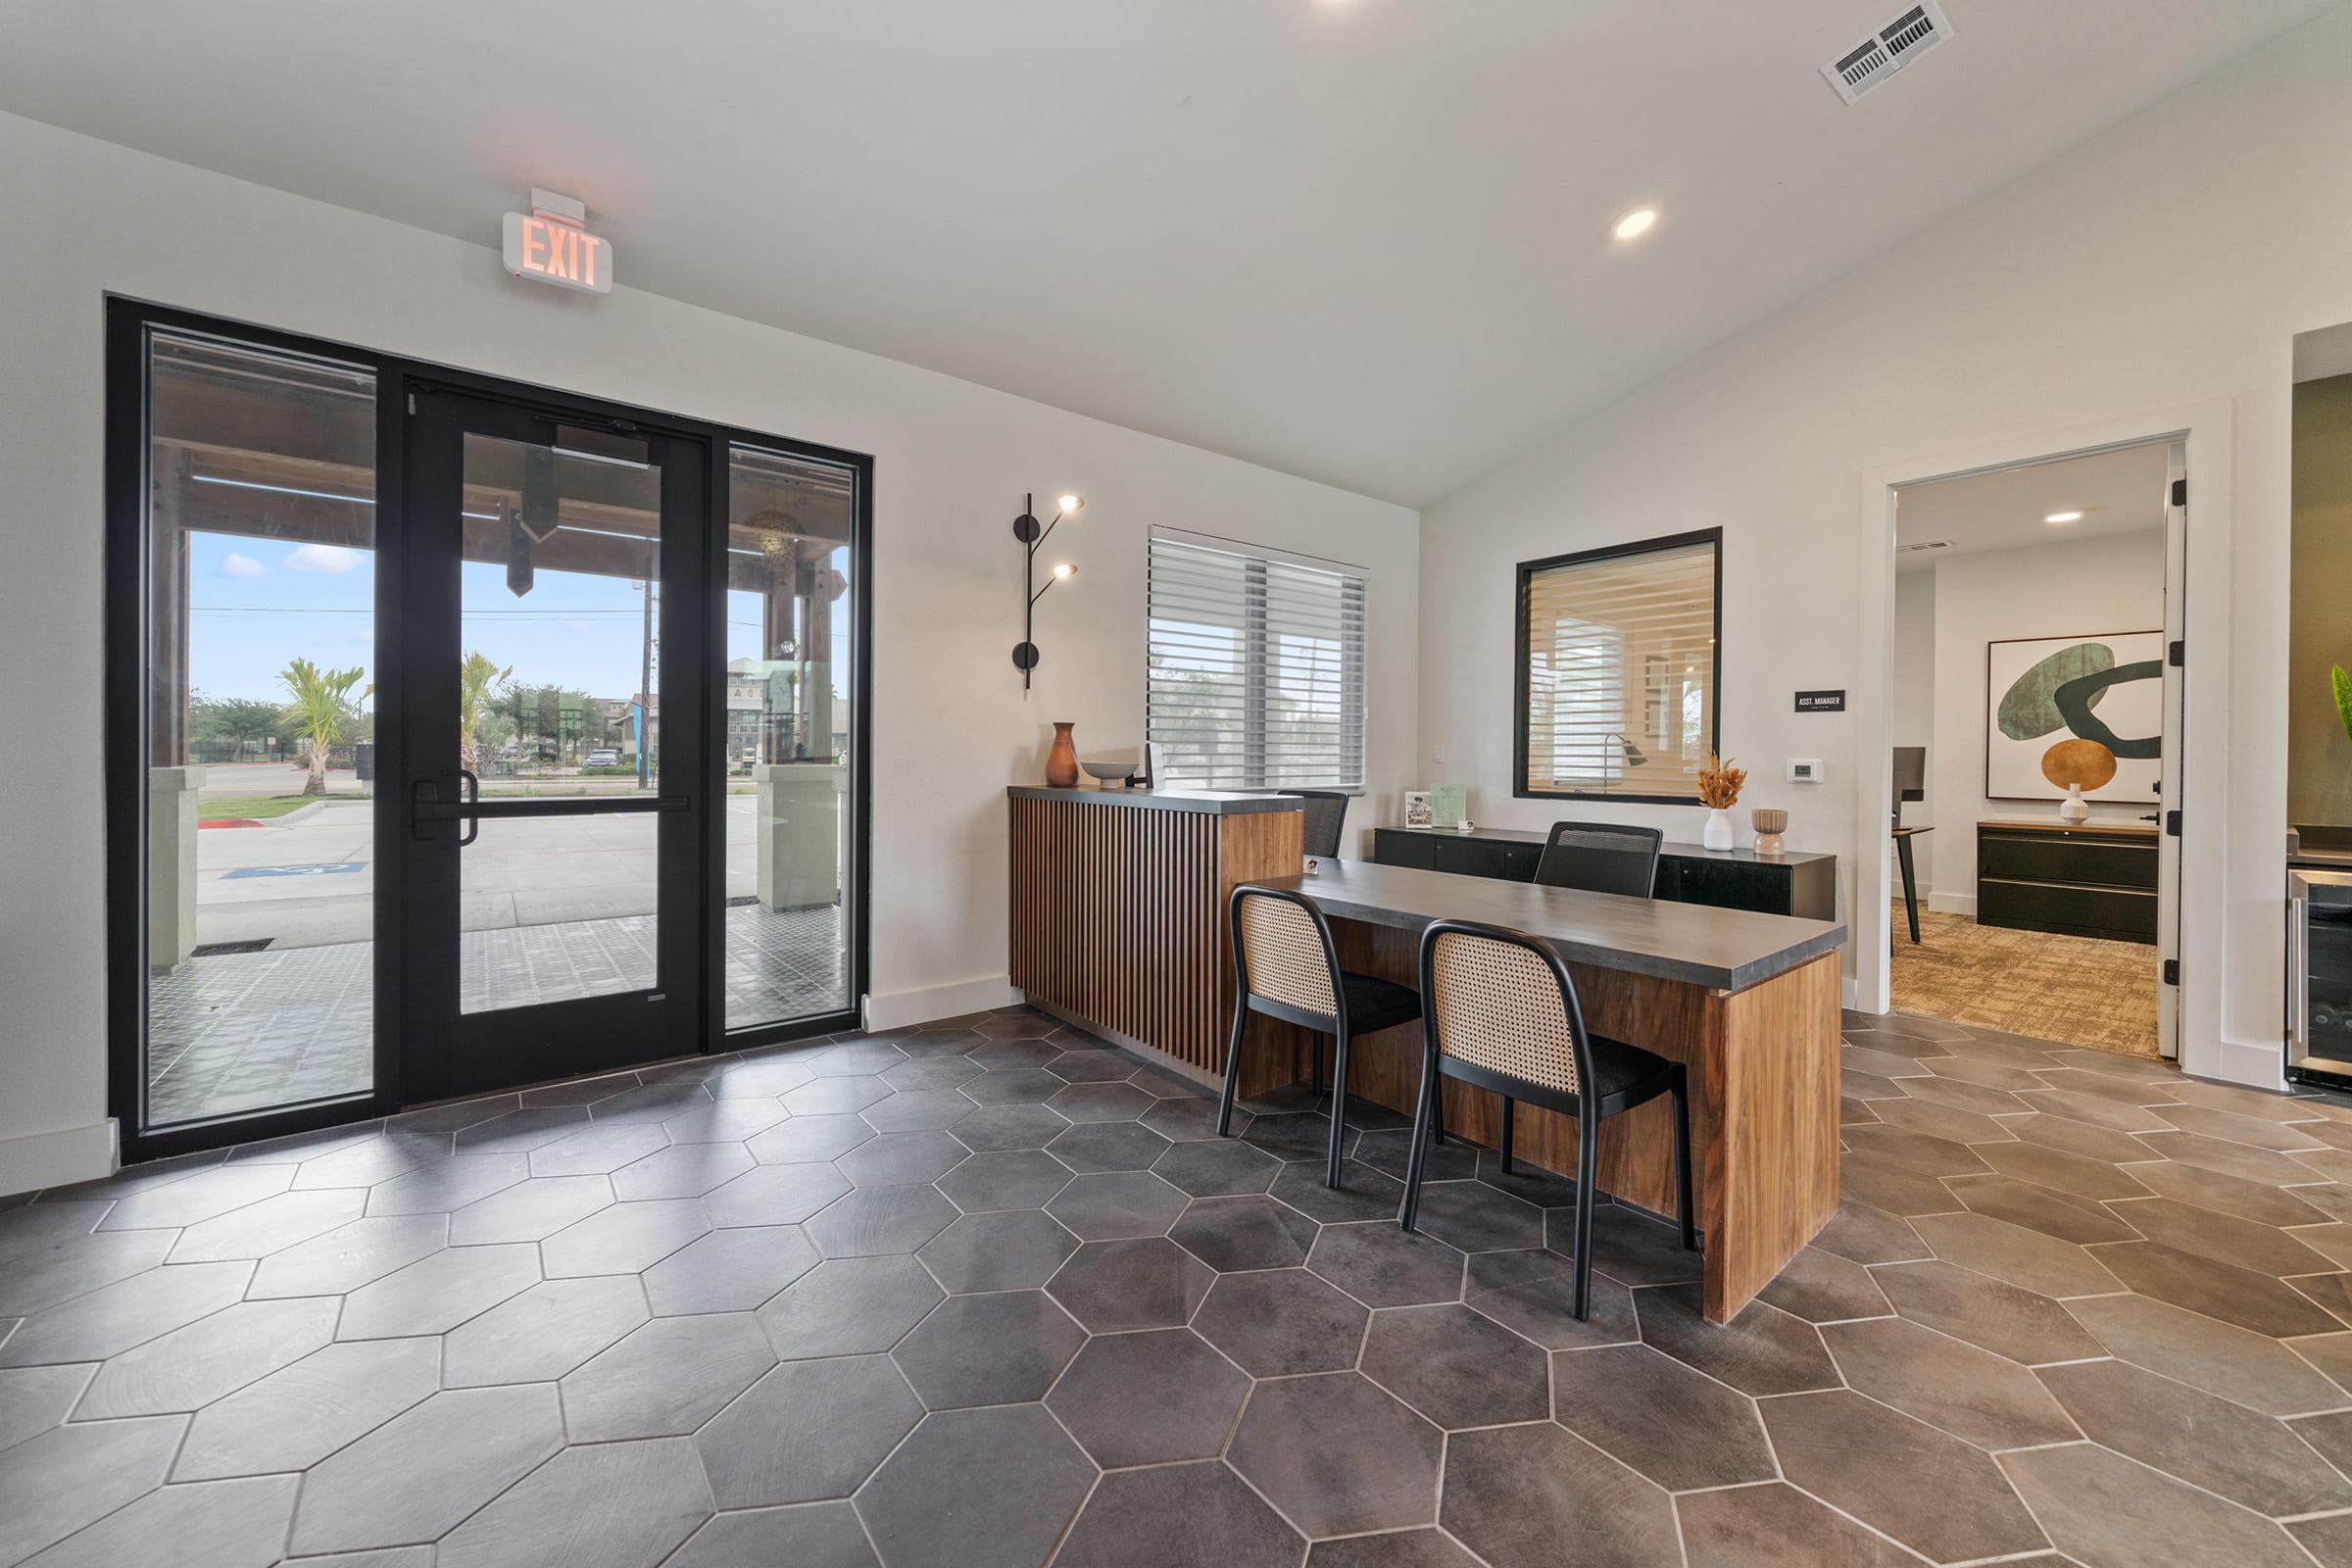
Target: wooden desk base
(1763,1112)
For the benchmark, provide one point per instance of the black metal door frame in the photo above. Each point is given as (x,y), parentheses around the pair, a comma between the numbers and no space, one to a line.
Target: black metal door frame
(397,1011)
(447,1050)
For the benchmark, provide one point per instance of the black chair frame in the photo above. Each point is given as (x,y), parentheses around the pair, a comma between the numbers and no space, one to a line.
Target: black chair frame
(1640,840)
(1589,1110)
(1246,1002)
(1339,834)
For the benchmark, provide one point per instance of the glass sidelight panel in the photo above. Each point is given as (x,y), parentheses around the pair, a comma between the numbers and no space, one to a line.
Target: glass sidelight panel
(260,658)
(790,709)
(559,681)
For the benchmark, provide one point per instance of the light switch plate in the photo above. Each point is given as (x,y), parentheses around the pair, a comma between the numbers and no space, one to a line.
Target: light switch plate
(1804,770)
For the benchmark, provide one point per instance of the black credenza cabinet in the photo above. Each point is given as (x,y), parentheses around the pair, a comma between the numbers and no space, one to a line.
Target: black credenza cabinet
(2091,881)
(1799,883)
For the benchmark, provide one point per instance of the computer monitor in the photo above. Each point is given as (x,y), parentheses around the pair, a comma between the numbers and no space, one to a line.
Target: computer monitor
(1910,772)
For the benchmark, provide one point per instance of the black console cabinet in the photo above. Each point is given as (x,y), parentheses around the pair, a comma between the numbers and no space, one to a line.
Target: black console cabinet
(2099,880)
(1798,883)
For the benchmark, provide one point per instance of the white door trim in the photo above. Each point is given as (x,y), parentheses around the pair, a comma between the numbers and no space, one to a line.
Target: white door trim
(2206,431)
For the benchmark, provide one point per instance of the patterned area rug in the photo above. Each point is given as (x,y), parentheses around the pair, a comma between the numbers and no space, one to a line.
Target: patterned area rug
(2074,989)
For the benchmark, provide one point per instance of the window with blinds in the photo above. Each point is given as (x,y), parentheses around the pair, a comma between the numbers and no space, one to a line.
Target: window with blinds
(1255,673)
(1618,669)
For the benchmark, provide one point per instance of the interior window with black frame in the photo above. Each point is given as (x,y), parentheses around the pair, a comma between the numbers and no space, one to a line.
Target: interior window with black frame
(1619,662)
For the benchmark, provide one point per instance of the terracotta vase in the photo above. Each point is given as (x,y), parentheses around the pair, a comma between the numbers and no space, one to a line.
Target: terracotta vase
(1061,763)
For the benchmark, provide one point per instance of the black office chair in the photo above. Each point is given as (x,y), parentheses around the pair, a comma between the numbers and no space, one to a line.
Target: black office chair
(1502,1014)
(1326,815)
(1285,966)
(1600,858)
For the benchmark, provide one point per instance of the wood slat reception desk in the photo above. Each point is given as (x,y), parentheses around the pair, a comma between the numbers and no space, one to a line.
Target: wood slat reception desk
(1748,1001)
(1118,906)
(1118,922)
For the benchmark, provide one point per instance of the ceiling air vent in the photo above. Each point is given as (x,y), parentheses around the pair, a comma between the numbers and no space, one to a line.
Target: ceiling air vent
(1923,544)
(1889,50)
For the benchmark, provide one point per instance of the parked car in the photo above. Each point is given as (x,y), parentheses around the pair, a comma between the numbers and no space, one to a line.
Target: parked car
(604,756)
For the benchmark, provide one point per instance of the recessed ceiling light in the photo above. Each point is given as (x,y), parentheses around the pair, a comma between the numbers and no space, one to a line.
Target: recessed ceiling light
(2064,516)
(1636,223)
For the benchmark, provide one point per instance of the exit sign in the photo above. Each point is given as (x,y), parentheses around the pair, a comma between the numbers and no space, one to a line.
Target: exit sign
(551,244)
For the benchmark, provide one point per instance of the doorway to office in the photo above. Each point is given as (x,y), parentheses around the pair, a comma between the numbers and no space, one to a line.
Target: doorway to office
(2035,713)
(462,735)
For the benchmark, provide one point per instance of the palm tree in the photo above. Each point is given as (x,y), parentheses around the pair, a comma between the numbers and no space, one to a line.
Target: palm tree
(320,705)
(475,677)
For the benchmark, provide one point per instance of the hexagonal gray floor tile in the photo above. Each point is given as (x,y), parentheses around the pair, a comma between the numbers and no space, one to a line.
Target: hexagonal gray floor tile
(901,1159)
(220,1524)
(438,1292)
(1175,1516)
(188,1369)
(729,1271)
(1233,1235)
(543,1332)
(1016,1249)
(530,1211)
(1112,1286)
(1106,1146)
(1539,1494)
(130,1312)
(1456,1367)
(850,1307)
(1283,1322)
(976,1488)
(879,1221)
(816,1535)
(809,1140)
(681,1170)
(1150,1399)
(1117,1205)
(1008,1180)
(600,1505)
(993,1128)
(1337,1455)
(666,1378)
(72,1475)
(418,1476)
(774,1195)
(808,1429)
(349,1256)
(1381,1265)
(624,1239)
(294,1418)
(1004,1349)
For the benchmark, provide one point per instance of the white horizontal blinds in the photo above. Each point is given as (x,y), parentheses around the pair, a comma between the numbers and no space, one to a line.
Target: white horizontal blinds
(1621,672)
(1256,669)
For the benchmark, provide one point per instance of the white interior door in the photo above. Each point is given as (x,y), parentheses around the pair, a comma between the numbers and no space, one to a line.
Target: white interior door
(2168,837)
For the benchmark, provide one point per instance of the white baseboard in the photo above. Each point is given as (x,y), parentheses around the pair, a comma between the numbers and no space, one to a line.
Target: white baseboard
(1951,902)
(58,1160)
(899,1009)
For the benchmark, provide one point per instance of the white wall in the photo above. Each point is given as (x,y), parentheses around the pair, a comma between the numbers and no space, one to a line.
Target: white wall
(1913,694)
(2058,590)
(2169,262)
(83,217)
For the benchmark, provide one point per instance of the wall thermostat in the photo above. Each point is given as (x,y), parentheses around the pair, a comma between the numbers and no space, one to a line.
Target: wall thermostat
(1804,770)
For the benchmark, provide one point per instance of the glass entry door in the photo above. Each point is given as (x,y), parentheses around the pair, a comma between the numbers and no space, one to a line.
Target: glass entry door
(552,696)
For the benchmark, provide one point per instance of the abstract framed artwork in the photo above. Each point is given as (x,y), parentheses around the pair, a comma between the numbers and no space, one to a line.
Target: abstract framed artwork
(2063,711)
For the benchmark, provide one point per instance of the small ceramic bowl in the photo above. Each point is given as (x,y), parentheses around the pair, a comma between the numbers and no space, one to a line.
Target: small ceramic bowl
(1110,770)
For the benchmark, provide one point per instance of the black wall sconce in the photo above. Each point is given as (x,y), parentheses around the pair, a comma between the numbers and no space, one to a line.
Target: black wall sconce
(1032,533)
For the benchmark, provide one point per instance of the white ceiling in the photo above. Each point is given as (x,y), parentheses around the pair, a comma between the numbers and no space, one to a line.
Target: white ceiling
(1361,240)
(2117,492)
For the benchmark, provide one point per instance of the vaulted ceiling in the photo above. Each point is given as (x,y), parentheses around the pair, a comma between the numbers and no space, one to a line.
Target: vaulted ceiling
(1362,240)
